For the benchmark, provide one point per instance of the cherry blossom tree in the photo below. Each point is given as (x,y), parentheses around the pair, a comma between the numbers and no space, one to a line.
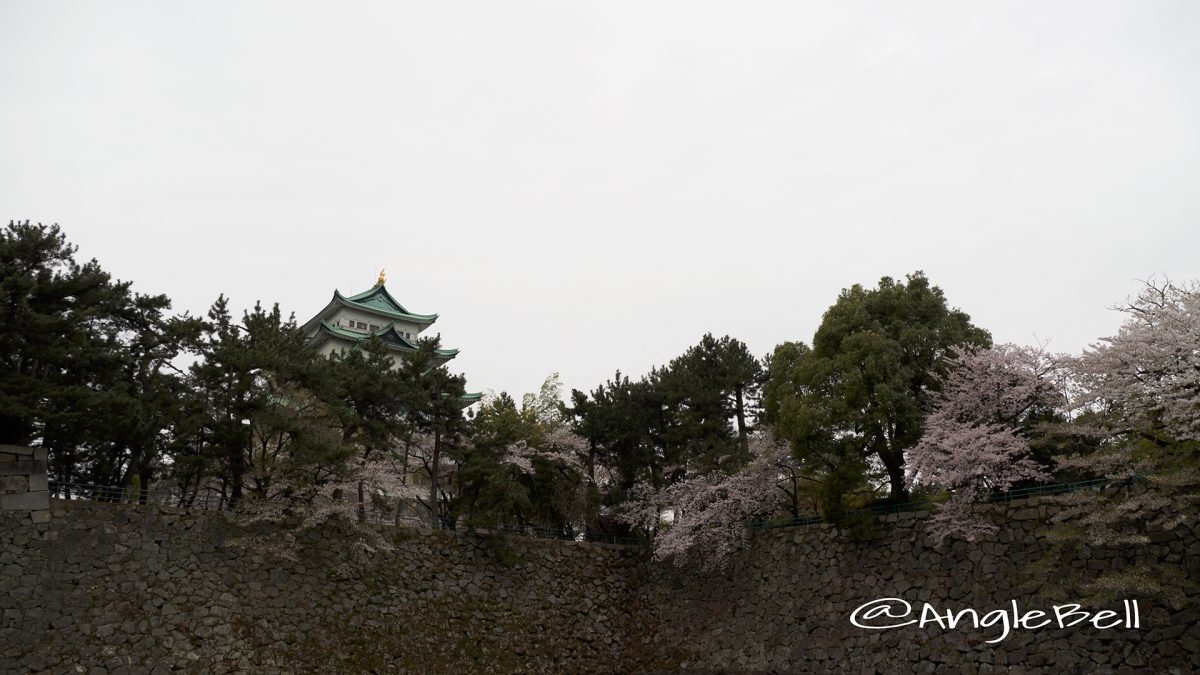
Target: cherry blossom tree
(560,446)
(976,438)
(564,456)
(702,520)
(524,465)
(1140,411)
(1148,375)
(1140,389)
(277,524)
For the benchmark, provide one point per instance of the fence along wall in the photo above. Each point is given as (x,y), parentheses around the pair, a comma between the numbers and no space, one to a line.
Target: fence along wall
(110,586)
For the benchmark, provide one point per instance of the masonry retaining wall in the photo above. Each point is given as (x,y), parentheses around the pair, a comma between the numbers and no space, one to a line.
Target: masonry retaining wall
(126,588)
(786,604)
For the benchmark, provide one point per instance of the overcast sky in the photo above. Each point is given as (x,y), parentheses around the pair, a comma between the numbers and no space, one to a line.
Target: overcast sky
(591,186)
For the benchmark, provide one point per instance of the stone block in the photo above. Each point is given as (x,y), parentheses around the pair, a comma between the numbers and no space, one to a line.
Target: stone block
(40,516)
(18,450)
(38,483)
(14,484)
(25,467)
(25,501)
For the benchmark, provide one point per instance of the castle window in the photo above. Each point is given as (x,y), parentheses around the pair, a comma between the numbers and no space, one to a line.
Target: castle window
(374,327)
(362,326)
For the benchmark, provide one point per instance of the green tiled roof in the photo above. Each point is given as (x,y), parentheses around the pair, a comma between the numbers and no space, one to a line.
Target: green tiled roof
(388,334)
(381,303)
(378,300)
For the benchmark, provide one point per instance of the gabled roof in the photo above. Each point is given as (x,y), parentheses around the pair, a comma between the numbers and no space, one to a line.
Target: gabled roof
(376,301)
(379,300)
(390,336)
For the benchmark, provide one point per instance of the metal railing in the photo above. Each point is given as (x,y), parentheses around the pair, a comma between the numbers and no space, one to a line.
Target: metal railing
(554,533)
(905,507)
(1057,488)
(213,500)
(207,499)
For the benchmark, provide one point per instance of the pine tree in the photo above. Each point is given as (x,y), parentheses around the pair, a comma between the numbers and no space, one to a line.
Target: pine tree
(85,363)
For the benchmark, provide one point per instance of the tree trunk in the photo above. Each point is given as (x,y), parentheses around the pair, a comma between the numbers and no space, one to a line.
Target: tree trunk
(144,492)
(136,468)
(795,497)
(237,467)
(893,461)
(237,460)
(434,521)
(740,411)
(592,461)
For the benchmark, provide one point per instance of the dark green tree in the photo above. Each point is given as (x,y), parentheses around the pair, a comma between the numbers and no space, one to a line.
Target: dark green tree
(780,368)
(860,395)
(267,417)
(432,401)
(625,421)
(152,385)
(708,391)
(85,363)
(369,397)
(488,491)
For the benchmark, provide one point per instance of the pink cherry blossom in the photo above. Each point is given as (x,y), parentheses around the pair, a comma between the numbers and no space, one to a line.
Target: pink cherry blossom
(703,520)
(974,443)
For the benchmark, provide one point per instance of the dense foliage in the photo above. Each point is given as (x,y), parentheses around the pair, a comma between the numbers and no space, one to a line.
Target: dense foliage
(86,365)
(898,392)
(123,394)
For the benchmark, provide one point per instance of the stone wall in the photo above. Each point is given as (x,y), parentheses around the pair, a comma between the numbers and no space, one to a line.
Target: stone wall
(23,485)
(132,589)
(786,605)
(125,587)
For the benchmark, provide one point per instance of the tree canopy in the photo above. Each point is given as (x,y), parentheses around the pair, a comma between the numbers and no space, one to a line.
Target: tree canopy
(897,391)
(856,401)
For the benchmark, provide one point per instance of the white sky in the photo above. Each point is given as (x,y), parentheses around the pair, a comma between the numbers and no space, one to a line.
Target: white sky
(587,186)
